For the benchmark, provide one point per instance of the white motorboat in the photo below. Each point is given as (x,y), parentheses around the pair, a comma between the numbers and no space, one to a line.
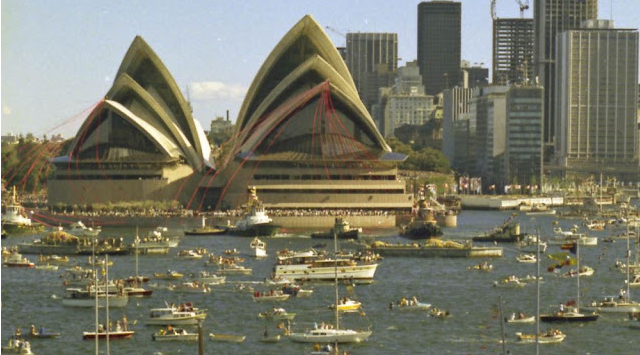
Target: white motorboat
(584,271)
(174,334)
(76,297)
(549,337)
(330,336)
(509,282)
(313,268)
(259,247)
(189,255)
(183,314)
(16,259)
(15,219)
(277,314)
(79,229)
(191,287)
(271,296)
(207,278)
(234,269)
(571,238)
(611,304)
(411,304)
(520,318)
(526,258)
(169,275)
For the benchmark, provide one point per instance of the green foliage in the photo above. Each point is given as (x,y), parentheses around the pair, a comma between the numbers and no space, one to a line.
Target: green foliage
(424,159)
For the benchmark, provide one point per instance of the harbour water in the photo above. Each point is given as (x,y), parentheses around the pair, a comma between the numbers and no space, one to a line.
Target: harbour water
(32,296)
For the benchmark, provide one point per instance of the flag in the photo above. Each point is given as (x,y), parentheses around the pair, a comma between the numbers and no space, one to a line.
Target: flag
(559,256)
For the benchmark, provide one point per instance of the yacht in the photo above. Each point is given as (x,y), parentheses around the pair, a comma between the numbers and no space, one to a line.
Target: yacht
(183,314)
(314,268)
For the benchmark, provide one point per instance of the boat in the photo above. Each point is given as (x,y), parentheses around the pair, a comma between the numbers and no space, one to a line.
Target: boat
(568,314)
(569,238)
(259,247)
(511,281)
(433,248)
(315,268)
(79,229)
(277,314)
(17,346)
(483,266)
(411,304)
(296,291)
(270,338)
(121,330)
(584,271)
(549,337)
(439,313)
(53,259)
(169,275)
(255,222)
(537,209)
(41,334)
(16,259)
(233,269)
(529,244)
(330,333)
(422,229)
(277,280)
(526,258)
(63,243)
(191,287)
(228,338)
(174,334)
(621,304)
(15,219)
(133,288)
(47,267)
(341,229)
(91,261)
(520,318)
(205,230)
(77,297)
(347,305)
(183,314)
(270,296)
(507,232)
(189,255)
(156,242)
(207,278)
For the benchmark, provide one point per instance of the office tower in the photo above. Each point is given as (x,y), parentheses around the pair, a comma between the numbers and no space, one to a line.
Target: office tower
(596,96)
(490,118)
(523,152)
(512,50)
(472,76)
(439,41)
(552,17)
(406,103)
(455,102)
(372,59)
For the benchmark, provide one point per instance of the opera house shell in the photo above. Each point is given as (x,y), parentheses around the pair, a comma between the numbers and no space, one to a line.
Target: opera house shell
(139,143)
(304,138)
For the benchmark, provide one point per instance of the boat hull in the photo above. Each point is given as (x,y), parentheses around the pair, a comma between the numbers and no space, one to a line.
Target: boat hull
(552,318)
(304,272)
(205,231)
(112,335)
(331,336)
(227,338)
(13,228)
(256,230)
(114,302)
(190,320)
(434,252)
(175,337)
(352,234)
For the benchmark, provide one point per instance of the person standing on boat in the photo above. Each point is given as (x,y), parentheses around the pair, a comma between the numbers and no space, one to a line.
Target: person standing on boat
(124,322)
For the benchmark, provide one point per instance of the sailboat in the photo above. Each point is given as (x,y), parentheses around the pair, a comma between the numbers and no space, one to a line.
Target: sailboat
(564,314)
(105,332)
(134,290)
(622,303)
(550,336)
(329,333)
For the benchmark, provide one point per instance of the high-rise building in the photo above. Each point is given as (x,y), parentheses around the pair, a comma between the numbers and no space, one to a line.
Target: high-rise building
(472,76)
(512,50)
(439,42)
(372,59)
(552,17)
(523,152)
(406,103)
(454,103)
(490,117)
(596,97)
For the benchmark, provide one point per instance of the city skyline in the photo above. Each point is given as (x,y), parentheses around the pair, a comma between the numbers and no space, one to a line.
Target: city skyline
(60,59)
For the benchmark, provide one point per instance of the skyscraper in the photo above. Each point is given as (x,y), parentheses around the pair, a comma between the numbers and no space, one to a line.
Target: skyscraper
(372,59)
(512,50)
(552,17)
(439,41)
(596,97)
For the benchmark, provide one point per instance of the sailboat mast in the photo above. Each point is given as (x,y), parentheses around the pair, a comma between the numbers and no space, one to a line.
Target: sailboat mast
(578,282)
(106,284)
(95,284)
(335,262)
(628,267)
(137,241)
(538,294)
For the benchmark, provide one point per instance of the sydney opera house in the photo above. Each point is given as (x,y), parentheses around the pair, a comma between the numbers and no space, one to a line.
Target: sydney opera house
(303,138)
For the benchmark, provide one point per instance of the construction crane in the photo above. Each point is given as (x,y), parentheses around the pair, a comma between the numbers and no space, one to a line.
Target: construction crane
(493,9)
(335,31)
(524,5)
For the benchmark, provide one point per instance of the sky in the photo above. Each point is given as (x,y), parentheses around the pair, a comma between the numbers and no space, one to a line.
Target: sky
(59,57)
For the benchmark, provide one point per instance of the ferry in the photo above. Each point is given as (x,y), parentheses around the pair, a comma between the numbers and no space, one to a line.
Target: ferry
(314,268)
